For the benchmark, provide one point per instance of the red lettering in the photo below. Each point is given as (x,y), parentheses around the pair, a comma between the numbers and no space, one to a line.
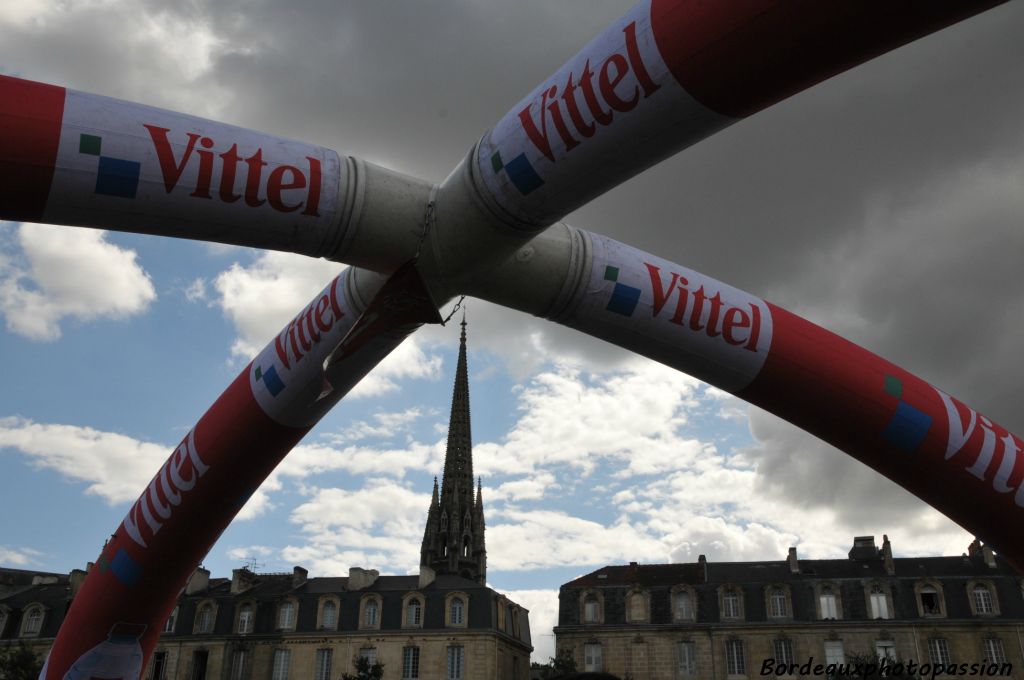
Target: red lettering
(230,160)
(633,50)
(572,106)
(684,296)
(276,184)
(661,294)
(170,169)
(313,200)
(735,319)
(586,82)
(698,309)
(321,322)
(335,306)
(205,177)
(716,308)
(755,328)
(538,137)
(608,83)
(253,179)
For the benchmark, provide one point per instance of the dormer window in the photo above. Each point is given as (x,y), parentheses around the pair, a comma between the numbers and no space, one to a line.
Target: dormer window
(777,607)
(827,601)
(879,602)
(205,618)
(329,615)
(32,622)
(286,616)
(245,619)
(414,613)
(371,614)
(591,609)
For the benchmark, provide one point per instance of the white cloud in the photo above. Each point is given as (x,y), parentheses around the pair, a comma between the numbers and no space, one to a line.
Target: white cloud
(116,467)
(543,606)
(71,273)
(259,299)
(196,291)
(19,557)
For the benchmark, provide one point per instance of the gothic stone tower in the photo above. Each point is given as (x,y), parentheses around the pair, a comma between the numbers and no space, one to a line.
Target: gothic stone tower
(453,540)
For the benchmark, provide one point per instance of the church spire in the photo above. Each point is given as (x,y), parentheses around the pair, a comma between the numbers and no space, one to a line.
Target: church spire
(453,541)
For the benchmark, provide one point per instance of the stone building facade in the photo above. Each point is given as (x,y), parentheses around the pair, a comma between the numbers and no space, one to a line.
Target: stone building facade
(442,623)
(734,620)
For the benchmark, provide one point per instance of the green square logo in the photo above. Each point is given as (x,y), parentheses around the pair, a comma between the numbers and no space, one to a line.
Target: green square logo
(89,144)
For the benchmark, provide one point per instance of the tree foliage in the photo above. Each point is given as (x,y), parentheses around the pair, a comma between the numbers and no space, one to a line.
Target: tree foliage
(19,663)
(364,670)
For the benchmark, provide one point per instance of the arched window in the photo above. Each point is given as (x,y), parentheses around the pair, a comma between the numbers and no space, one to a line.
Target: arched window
(444,521)
(827,601)
(286,616)
(683,606)
(205,618)
(245,619)
(929,599)
(879,603)
(731,608)
(33,621)
(457,611)
(171,621)
(777,603)
(591,609)
(329,615)
(982,597)
(414,612)
(637,606)
(371,614)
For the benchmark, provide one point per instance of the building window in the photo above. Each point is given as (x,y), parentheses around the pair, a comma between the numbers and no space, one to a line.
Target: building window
(168,624)
(938,651)
(456,663)
(200,658)
(879,603)
(834,652)
(159,665)
(323,665)
(204,619)
(592,656)
(687,658)
(286,616)
(783,651)
(410,663)
(370,654)
(238,665)
(458,613)
(982,598)
(591,609)
(885,650)
(371,613)
(329,615)
(413,613)
(735,661)
(993,651)
(33,621)
(929,600)
(683,609)
(731,604)
(282,660)
(777,603)
(637,607)
(827,602)
(245,619)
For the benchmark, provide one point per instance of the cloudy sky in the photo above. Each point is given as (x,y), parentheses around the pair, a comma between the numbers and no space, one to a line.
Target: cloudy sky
(885,204)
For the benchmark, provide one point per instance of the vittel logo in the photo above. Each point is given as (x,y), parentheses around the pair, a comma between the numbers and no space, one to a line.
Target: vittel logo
(178,476)
(284,188)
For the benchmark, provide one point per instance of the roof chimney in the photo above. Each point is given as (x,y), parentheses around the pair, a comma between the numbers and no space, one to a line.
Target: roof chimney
(990,558)
(427,576)
(890,566)
(703,562)
(198,581)
(794,566)
(75,580)
(299,576)
(361,578)
(241,580)
(863,548)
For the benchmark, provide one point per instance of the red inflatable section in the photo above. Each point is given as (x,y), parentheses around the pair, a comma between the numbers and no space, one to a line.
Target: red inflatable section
(946,453)
(740,56)
(168,531)
(30,119)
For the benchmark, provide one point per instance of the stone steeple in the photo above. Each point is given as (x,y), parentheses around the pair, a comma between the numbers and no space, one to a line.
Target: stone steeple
(453,539)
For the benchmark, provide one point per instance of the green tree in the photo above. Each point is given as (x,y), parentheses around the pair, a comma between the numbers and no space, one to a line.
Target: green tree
(561,664)
(19,663)
(866,666)
(364,670)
